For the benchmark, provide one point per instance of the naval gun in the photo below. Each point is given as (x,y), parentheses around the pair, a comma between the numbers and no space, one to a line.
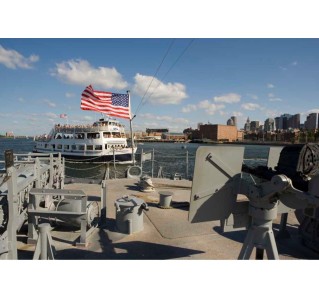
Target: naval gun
(289,182)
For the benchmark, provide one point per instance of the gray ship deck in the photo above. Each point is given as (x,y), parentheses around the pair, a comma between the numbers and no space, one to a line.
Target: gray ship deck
(167,233)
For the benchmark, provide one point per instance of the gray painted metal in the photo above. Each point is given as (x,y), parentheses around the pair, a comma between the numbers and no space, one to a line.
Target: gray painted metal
(71,207)
(165,199)
(103,202)
(44,249)
(129,214)
(20,177)
(216,181)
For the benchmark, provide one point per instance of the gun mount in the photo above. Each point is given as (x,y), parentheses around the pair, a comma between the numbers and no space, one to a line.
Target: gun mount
(290,181)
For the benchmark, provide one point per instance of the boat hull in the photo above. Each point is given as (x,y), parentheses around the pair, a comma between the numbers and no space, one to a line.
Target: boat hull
(119,158)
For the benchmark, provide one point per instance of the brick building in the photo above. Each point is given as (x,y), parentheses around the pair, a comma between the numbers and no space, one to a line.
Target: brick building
(216,132)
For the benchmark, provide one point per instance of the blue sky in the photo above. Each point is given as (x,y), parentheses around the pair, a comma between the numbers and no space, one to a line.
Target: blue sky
(199,80)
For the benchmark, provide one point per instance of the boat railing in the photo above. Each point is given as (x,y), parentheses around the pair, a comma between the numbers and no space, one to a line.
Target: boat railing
(86,128)
(30,158)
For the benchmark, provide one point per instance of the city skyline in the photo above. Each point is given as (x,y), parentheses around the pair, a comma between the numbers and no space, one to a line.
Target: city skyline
(174,83)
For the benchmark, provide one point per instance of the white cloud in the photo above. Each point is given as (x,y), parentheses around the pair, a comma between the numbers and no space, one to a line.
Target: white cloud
(250,106)
(294,63)
(69,95)
(32,119)
(273,98)
(210,108)
(189,108)
(276,99)
(21,100)
(170,119)
(314,110)
(80,72)
(49,103)
(159,92)
(228,98)
(253,96)
(13,59)
(6,115)
(237,114)
(270,85)
(269,113)
(51,115)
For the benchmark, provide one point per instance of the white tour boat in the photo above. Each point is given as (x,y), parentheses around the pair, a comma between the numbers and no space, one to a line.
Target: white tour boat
(105,140)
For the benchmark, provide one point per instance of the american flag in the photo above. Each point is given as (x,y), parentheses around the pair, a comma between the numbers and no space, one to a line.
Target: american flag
(112,104)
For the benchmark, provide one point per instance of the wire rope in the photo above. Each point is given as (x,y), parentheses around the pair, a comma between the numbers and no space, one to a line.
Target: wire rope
(158,68)
(161,80)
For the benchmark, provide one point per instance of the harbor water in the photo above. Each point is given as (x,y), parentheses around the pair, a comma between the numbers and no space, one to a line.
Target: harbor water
(160,159)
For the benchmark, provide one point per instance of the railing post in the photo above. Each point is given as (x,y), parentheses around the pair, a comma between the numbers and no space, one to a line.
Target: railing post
(51,171)
(114,167)
(142,160)
(187,164)
(37,173)
(13,212)
(62,174)
(152,162)
(103,202)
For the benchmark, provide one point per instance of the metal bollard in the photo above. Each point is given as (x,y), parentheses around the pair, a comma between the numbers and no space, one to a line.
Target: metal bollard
(44,230)
(44,248)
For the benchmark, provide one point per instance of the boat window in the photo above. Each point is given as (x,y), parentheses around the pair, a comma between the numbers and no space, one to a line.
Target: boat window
(116,134)
(73,147)
(79,136)
(66,147)
(46,146)
(89,147)
(58,136)
(59,146)
(81,147)
(53,146)
(106,134)
(93,135)
(98,147)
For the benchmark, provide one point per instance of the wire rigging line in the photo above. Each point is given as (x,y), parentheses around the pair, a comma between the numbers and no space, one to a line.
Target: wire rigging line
(173,65)
(161,80)
(158,68)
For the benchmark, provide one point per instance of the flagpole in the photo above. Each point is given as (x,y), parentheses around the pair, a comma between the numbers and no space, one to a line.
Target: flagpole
(131,129)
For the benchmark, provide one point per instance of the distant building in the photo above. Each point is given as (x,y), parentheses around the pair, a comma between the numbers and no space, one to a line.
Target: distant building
(287,121)
(311,122)
(175,136)
(9,134)
(254,125)
(230,122)
(217,133)
(247,125)
(157,130)
(199,125)
(234,118)
(269,125)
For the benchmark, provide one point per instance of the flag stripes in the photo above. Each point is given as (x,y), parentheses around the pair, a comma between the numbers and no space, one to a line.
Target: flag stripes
(112,104)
